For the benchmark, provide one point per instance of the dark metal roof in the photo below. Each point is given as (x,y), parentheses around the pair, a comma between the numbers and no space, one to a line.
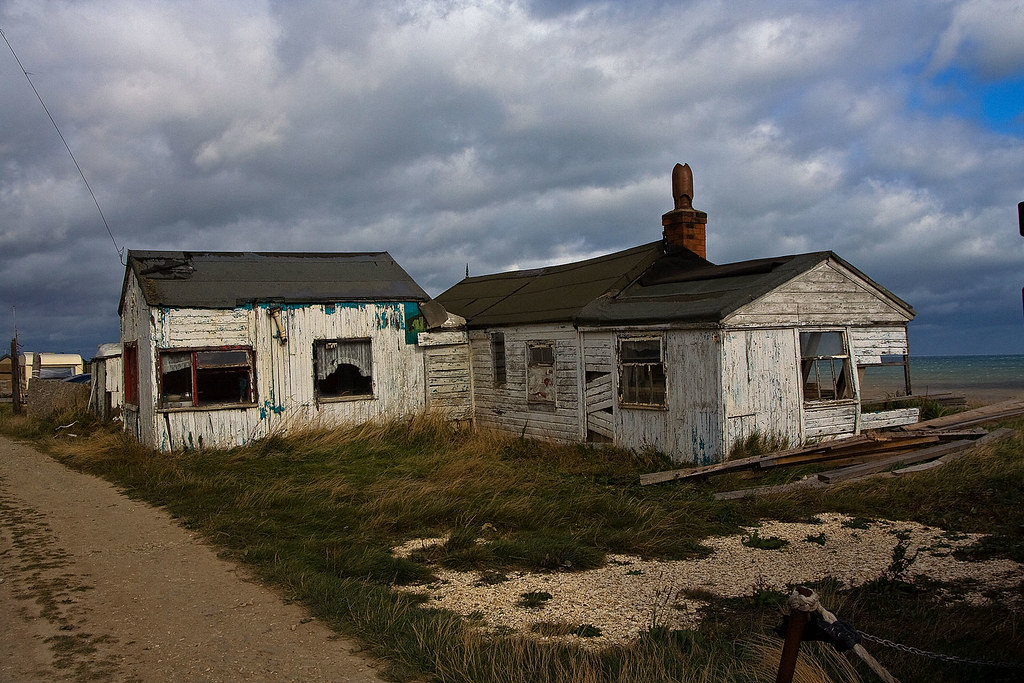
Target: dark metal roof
(551,294)
(643,285)
(217,279)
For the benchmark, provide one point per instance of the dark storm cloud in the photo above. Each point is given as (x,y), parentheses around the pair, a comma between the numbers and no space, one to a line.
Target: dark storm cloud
(502,134)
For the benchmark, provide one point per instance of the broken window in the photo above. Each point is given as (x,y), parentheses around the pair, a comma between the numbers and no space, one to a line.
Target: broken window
(641,372)
(540,373)
(343,368)
(825,366)
(498,358)
(131,373)
(196,378)
(884,381)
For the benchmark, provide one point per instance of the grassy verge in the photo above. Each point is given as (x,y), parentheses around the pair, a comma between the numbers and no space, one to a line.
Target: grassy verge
(317,514)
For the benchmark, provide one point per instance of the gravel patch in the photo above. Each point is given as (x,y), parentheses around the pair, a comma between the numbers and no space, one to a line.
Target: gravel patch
(628,595)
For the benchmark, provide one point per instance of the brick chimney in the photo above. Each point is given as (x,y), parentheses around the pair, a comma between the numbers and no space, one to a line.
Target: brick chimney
(684,226)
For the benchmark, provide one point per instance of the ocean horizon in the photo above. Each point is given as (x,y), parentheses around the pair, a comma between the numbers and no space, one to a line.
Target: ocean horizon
(967,375)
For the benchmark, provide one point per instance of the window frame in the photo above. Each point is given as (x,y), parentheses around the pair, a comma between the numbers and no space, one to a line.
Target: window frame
(339,398)
(499,359)
(841,382)
(196,367)
(539,372)
(649,370)
(130,372)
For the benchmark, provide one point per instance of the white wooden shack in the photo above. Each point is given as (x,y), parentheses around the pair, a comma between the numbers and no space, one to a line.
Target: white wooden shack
(106,398)
(220,348)
(657,347)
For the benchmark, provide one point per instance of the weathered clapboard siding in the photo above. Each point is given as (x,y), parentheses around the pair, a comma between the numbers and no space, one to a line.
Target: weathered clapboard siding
(760,384)
(869,344)
(135,328)
(889,418)
(506,407)
(448,379)
(830,420)
(283,369)
(828,294)
(599,380)
(177,328)
(689,429)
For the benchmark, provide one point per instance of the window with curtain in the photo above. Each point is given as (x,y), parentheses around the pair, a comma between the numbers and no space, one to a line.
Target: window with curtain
(343,368)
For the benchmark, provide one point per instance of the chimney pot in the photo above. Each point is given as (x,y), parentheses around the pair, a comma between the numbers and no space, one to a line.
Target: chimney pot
(684,226)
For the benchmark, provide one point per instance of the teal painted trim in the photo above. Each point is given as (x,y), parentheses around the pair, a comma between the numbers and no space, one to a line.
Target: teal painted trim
(414,322)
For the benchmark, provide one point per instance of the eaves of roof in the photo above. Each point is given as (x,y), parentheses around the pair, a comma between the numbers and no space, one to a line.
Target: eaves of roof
(545,295)
(230,279)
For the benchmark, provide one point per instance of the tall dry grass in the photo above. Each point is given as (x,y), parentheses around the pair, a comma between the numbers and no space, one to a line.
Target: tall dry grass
(317,511)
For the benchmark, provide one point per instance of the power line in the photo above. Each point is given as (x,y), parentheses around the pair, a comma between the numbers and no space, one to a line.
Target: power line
(28,77)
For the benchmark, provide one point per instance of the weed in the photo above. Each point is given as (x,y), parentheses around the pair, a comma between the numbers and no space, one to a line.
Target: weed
(757,443)
(900,563)
(491,577)
(533,599)
(819,538)
(755,540)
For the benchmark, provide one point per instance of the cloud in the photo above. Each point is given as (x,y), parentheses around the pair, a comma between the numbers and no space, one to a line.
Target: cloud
(983,36)
(502,134)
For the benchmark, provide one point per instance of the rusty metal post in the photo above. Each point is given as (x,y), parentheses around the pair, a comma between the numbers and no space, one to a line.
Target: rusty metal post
(798,618)
(15,378)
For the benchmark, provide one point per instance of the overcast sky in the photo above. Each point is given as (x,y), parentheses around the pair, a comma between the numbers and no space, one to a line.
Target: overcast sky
(514,134)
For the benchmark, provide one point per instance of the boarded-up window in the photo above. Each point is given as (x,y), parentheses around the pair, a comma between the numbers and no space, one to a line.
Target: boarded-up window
(131,373)
(498,358)
(641,372)
(199,378)
(343,368)
(540,373)
(825,366)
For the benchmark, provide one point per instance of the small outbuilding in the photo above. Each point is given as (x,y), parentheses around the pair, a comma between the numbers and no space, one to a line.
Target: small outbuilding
(657,347)
(6,376)
(220,348)
(105,401)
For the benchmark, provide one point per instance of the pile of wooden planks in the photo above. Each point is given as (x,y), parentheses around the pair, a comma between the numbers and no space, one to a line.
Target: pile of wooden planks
(991,413)
(911,449)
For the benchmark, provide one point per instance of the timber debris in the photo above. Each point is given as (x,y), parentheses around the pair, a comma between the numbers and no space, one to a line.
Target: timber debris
(912,448)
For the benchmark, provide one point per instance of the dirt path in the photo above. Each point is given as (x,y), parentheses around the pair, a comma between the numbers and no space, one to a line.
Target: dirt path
(95,586)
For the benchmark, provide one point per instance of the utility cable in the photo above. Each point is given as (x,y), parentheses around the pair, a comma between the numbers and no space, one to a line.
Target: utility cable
(28,77)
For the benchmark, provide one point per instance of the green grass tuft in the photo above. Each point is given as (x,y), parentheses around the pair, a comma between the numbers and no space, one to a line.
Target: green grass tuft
(317,513)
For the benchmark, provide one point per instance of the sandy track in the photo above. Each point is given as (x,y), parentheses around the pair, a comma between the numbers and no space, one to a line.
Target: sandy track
(95,586)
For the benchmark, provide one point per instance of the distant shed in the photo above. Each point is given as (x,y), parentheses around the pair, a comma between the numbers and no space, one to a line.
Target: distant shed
(106,398)
(220,348)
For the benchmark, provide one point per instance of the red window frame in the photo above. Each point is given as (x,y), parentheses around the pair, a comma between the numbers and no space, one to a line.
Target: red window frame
(130,364)
(194,395)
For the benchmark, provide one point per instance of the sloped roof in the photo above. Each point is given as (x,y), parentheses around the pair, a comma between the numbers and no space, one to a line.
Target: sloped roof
(551,294)
(642,285)
(217,279)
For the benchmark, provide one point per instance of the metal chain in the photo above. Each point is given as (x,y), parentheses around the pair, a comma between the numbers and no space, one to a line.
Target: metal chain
(938,655)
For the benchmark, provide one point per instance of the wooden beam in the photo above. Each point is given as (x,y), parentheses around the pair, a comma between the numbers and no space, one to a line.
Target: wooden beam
(856,471)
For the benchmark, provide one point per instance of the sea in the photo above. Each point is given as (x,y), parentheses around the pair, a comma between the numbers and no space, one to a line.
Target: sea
(991,377)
